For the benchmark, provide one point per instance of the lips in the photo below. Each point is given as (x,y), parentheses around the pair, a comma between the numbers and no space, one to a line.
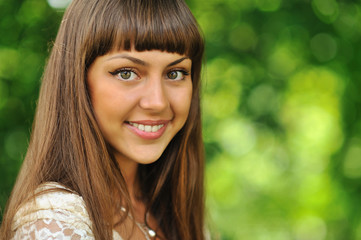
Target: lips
(148,129)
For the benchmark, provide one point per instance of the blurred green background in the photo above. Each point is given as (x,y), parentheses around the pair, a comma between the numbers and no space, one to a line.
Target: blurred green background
(281,111)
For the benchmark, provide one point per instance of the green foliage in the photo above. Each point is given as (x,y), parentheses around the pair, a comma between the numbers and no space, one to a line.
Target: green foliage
(27,28)
(281,116)
(281,121)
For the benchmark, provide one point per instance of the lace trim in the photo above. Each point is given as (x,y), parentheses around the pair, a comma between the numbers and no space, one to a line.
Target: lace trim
(54,215)
(50,229)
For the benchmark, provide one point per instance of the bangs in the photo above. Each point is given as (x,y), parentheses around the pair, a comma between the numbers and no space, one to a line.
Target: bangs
(145,25)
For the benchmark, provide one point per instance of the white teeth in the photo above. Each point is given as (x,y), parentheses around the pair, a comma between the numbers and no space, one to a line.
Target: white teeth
(155,128)
(147,128)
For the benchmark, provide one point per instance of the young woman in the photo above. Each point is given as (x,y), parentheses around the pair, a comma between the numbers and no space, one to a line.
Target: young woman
(116,149)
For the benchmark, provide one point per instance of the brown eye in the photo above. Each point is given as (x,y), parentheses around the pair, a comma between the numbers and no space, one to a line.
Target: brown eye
(177,75)
(172,75)
(125,74)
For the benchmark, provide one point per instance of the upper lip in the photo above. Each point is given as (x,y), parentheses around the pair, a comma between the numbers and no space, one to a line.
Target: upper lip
(150,122)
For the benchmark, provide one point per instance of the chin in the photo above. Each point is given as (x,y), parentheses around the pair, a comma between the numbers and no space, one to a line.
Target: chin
(147,160)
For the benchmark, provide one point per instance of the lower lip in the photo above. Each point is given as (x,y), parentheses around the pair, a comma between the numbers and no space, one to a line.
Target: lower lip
(147,135)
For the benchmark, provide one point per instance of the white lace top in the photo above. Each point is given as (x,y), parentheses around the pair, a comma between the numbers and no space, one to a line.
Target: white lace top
(57,215)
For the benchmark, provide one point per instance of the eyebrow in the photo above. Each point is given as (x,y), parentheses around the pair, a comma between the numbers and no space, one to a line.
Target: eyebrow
(177,61)
(141,62)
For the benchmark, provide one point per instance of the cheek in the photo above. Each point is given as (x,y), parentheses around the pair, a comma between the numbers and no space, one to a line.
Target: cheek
(182,101)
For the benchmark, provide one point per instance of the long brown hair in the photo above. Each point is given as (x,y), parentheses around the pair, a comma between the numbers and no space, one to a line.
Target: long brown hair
(66,144)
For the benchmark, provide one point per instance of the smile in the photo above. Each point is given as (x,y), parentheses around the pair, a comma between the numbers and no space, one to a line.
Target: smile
(147,128)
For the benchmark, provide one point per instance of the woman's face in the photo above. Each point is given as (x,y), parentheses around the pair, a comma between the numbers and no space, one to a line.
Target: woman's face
(141,100)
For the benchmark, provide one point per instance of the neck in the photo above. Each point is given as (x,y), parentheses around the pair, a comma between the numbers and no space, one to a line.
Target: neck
(129,171)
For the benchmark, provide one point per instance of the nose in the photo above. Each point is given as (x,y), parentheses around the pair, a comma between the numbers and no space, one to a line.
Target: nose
(154,96)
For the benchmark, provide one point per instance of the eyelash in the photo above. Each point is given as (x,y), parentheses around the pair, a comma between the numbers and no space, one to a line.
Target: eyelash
(182,71)
(118,71)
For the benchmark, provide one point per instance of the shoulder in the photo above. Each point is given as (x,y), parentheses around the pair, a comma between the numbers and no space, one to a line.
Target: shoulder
(53,208)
